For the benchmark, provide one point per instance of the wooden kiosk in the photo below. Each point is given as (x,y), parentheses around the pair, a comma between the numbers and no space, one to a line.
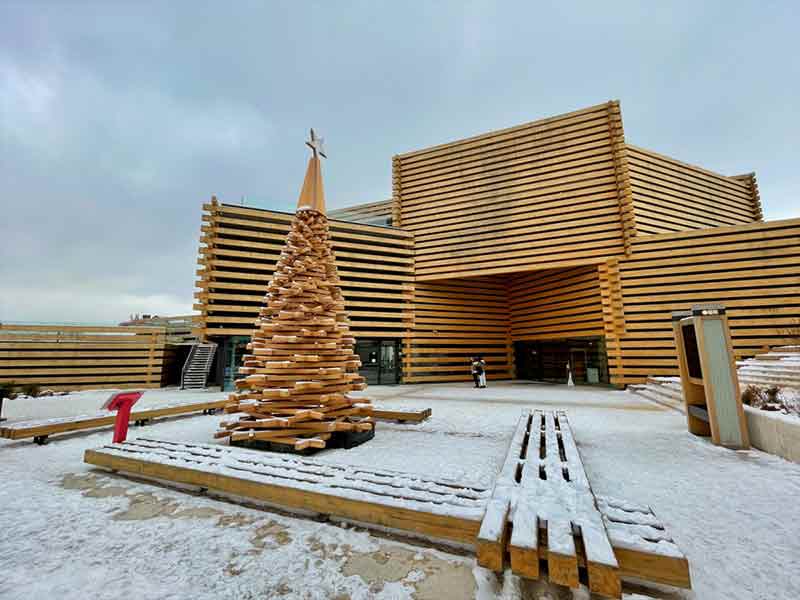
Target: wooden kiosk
(708,375)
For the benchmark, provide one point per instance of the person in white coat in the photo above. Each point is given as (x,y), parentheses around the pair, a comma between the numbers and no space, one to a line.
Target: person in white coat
(482,378)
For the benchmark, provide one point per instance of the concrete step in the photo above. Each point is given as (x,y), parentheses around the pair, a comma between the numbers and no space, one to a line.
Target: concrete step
(653,394)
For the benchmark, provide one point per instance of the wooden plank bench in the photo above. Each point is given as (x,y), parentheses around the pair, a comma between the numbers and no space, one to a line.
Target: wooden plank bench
(402,415)
(413,504)
(543,513)
(41,429)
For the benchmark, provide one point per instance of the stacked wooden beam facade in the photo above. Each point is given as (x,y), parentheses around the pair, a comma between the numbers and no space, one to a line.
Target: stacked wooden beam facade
(241,247)
(78,357)
(673,196)
(543,194)
(754,270)
(553,230)
(453,321)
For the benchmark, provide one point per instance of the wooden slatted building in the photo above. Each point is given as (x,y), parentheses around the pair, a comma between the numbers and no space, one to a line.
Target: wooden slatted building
(535,246)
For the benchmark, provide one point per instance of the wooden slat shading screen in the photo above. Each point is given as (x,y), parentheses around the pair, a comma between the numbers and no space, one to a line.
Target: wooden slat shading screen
(546,194)
(78,357)
(374,213)
(669,195)
(455,320)
(754,270)
(555,304)
(239,252)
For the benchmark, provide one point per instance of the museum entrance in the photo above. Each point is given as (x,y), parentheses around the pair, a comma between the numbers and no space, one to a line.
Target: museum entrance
(548,360)
(380,361)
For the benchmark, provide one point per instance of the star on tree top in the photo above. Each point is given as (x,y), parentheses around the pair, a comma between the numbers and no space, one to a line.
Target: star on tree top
(315,144)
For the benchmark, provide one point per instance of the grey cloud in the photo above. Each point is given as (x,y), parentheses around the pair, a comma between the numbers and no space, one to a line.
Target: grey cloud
(118,120)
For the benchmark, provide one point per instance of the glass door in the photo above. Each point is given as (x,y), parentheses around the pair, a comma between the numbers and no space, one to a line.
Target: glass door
(367,351)
(388,362)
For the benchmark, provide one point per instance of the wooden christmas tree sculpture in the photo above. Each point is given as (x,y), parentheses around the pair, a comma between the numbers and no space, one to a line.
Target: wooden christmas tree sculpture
(302,363)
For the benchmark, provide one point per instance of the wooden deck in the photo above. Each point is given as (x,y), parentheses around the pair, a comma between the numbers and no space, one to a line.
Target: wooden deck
(541,513)
(400,501)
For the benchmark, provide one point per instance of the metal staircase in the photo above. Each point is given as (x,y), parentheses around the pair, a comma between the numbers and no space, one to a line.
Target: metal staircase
(194,375)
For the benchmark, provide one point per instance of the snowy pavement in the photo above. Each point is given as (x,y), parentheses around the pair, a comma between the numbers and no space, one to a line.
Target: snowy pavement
(72,532)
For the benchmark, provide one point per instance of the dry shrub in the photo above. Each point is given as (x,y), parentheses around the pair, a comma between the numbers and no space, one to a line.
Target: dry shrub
(772,398)
(751,395)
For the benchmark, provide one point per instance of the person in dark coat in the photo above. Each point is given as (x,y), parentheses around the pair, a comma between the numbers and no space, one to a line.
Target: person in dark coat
(476,369)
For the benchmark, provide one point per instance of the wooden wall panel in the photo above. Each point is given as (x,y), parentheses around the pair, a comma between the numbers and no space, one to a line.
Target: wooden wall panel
(374,213)
(239,252)
(455,320)
(546,194)
(669,195)
(73,357)
(556,304)
(754,270)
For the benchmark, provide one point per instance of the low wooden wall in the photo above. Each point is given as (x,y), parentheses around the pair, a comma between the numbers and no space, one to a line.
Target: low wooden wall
(74,357)
(754,270)
(455,320)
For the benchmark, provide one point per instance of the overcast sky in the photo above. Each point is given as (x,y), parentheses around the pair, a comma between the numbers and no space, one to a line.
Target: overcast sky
(117,122)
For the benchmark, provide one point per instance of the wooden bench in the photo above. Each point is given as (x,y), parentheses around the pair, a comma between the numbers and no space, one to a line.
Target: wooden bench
(543,514)
(41,429)
(401,415)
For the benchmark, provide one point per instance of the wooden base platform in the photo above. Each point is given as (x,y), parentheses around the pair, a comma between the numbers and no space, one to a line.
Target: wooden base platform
(562,530)
(41,429)
(337,439)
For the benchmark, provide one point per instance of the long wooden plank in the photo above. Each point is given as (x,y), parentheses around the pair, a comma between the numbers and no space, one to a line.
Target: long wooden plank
(562,556)
(492,538)
(602,566)
(409,415)
(523,546)
(345,492)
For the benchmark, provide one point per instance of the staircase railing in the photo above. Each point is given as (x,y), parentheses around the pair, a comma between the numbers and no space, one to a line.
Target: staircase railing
(209,359)
(187,363)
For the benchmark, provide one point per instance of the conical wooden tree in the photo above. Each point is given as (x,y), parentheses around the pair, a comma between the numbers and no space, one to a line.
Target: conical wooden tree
(302,364)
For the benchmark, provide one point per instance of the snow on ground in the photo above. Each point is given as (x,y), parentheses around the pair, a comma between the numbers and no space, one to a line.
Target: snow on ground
(74,532)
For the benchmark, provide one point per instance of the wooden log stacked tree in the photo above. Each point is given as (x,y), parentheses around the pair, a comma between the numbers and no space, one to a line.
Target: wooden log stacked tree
(301,364)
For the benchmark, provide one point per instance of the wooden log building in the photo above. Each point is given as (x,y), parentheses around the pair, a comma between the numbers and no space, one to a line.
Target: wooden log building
(535,246)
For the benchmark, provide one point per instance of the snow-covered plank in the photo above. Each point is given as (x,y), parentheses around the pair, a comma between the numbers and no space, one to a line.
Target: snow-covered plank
(601,563)
(524,544)
(556,507)
(439,509)
(493,535)
(642,545)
